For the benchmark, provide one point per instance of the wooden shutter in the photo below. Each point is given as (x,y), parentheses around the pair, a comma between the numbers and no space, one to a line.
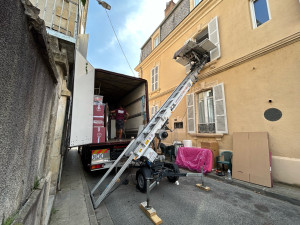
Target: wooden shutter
(190,113)
(213,33)
(152,111)
(220,109)
(152,80)
(156,78)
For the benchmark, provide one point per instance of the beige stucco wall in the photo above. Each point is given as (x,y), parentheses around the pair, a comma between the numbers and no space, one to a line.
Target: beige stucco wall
(256,65)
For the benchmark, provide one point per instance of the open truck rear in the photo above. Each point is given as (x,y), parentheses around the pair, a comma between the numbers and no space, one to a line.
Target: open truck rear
(116,89)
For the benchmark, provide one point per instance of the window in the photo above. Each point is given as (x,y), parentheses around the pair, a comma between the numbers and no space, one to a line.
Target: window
(155,41)
(259,12)
(202,36)
(206,114)
(154,109)
(212,33)
(154,78)
(196,2)
(211,111)
(178,125)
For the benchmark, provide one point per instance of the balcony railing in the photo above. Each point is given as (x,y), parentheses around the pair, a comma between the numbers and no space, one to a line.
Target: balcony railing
(61,17)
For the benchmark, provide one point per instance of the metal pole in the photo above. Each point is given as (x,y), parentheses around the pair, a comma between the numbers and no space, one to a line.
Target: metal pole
(202,175)
(148,194)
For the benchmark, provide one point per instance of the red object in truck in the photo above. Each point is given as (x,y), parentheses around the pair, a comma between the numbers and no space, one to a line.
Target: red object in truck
(98,109)
(98,121)
(98,134)
(98,98)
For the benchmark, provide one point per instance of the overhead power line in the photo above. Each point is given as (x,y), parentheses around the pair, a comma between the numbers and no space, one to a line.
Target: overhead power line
(119,42)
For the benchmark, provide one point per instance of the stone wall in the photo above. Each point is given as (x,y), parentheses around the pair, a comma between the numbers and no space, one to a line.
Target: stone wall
(179,13)
(146,50)
(181,10)
(27,95)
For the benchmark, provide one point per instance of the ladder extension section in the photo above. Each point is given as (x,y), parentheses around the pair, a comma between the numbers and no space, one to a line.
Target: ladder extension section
(140,144)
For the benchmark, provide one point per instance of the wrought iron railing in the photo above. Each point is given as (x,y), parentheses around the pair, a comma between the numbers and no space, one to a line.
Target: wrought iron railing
(61,17)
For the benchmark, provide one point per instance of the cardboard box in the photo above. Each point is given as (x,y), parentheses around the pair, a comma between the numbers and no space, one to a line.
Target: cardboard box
(251,158)
(214,147)
(98,98)
(98,121)
(98,109)
(99,135)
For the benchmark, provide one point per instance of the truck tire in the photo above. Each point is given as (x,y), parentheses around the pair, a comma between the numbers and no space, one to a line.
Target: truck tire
(141,178)
(174,168)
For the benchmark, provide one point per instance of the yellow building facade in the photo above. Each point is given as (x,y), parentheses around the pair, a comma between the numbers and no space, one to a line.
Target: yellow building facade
(254,72)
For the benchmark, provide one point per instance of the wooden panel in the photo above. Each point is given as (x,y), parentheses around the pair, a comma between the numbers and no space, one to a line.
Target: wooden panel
(214,147)
(251,158)
(240,160)
(259,159)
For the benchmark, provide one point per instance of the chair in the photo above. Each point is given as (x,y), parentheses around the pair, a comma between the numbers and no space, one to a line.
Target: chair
(170,150)
(227,160)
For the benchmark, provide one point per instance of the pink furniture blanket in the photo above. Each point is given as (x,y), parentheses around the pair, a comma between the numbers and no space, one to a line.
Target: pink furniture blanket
(193,158)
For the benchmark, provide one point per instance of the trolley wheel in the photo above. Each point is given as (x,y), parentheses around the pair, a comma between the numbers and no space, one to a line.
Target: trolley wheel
(141,177)
(174,168)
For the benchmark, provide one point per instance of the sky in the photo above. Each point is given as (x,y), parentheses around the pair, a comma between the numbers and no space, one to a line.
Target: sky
(133,21)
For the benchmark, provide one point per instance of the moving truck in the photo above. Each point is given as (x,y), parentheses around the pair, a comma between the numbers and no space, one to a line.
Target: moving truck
(96,93)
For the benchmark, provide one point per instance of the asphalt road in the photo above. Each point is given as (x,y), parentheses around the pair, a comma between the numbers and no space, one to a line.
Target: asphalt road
(186,204)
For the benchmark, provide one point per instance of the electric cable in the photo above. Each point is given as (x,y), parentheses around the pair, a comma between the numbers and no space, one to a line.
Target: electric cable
(119,42)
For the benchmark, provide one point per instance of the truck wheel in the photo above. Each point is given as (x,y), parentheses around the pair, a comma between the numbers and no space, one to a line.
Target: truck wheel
(141,178)
(174,168)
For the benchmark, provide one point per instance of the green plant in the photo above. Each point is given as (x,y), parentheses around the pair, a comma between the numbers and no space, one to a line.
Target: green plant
(53,211)
(36,183)
(83,2)
(9,220)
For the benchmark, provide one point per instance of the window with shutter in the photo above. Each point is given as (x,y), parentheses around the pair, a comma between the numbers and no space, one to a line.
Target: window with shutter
(154,109)
(206,115)
(220,109)
(154,78)
(190,113)
(213,32)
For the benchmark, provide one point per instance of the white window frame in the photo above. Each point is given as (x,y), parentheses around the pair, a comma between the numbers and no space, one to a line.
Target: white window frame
(190,107)
(214,37)
(206,110)
(219,102)
(155,41)
(154,109)
(220,116)
(252,10)
(196,2)
(154,78)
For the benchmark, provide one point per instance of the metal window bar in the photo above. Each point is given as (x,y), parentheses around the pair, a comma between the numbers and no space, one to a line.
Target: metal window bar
(53,11)
(59,27)
(76,22)
(45,9)
(61,14)
(68,18)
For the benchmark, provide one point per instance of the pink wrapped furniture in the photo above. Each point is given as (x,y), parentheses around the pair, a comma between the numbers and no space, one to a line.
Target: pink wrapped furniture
(193,158)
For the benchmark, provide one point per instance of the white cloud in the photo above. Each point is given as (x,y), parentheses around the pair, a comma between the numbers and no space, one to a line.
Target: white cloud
(139,25)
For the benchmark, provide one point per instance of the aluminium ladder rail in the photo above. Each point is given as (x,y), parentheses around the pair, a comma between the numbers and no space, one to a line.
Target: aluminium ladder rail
(140,144)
